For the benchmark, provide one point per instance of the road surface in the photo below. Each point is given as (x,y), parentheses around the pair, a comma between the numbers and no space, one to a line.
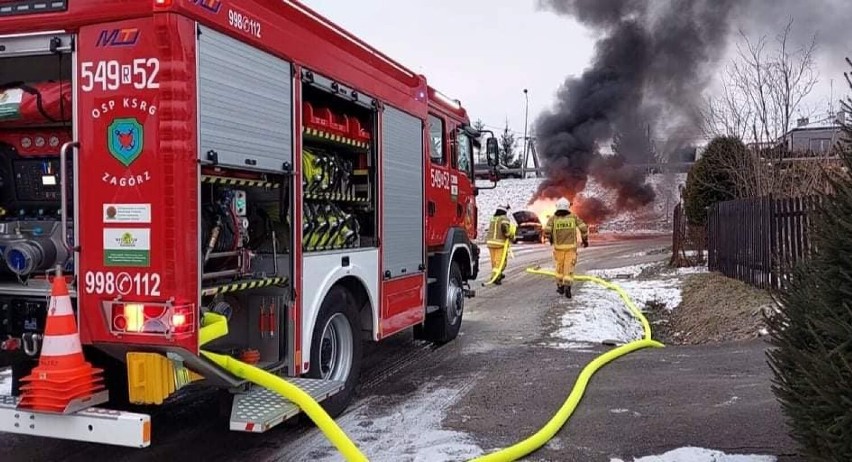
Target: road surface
(497,384)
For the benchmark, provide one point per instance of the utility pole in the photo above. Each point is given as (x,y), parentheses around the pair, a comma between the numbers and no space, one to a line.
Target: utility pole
(526,121)
(536,164)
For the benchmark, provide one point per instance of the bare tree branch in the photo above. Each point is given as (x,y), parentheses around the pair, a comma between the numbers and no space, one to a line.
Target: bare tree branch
(764,89)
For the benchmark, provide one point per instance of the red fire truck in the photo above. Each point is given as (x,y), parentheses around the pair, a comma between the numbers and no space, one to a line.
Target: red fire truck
(243,157)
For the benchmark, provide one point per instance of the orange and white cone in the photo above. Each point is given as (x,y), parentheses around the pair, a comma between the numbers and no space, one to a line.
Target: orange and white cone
(62,374)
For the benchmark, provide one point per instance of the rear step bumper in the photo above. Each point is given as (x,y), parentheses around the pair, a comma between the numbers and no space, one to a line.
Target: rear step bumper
(92,425)
(260,409)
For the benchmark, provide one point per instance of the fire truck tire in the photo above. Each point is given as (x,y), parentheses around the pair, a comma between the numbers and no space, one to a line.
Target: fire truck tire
(336,347)
(443,325)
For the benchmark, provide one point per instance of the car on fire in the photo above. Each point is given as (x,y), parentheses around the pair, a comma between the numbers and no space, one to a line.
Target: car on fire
(530,227)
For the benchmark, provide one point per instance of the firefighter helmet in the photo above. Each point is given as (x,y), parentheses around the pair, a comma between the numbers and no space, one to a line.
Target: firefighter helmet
(563,205)
(502,208)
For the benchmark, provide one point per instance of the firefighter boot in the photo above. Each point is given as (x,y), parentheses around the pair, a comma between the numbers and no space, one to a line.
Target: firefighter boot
(568,292)
(560,290)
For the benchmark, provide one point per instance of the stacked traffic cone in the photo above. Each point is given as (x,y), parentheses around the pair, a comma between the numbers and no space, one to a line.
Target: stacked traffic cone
(62,374)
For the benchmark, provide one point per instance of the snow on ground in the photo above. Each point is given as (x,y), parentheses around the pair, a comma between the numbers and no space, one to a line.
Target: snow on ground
(654,218)
(408,430)
(691,454)
(597,314)
(6,381)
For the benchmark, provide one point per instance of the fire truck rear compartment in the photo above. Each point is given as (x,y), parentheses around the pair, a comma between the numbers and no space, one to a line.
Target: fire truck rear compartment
(35,120)
(245,241)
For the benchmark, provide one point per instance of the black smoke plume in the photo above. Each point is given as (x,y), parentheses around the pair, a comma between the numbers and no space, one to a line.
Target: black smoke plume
(651,65)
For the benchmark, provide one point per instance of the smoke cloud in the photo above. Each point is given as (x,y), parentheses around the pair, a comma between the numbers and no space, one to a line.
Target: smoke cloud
(651,66)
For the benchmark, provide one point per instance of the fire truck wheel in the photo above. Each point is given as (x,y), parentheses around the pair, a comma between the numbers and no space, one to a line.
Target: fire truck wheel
(443,325)
(336,347)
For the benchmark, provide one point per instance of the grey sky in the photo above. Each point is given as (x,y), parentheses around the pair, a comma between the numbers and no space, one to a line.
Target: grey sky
(485,52)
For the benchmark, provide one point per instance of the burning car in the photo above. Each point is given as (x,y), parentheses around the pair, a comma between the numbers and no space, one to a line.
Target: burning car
(530,227)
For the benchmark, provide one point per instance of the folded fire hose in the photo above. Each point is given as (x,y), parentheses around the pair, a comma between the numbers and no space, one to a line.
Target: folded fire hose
(215,326)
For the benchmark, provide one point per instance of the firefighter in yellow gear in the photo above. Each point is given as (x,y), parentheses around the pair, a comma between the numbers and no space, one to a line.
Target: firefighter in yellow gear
(561,230)
(500,234)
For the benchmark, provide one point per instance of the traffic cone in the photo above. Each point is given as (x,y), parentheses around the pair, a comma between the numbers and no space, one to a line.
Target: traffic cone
(62,374)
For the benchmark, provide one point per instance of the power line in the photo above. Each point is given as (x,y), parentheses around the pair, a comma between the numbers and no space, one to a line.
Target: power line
(498,130)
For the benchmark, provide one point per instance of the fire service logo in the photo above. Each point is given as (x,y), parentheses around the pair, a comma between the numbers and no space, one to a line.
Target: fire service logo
(118,38)
(125,138)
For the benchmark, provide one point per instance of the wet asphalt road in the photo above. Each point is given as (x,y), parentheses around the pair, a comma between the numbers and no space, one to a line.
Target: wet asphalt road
(508,383)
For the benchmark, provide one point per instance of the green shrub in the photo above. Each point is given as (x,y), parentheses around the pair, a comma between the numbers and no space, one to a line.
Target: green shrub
(711,179)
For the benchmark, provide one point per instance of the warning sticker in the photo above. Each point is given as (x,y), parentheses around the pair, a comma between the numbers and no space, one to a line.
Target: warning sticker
(127,213)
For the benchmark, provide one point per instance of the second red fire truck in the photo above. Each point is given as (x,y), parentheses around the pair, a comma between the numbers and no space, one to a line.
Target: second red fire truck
(247,158)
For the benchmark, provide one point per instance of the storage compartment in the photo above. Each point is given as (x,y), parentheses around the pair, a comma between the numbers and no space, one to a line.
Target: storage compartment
(338,173)
(36,110)
(245,105)
(35,121)
(246,259)
(404,187)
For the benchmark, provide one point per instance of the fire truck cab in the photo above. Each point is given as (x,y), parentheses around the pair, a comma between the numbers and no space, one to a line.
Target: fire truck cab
(248,158)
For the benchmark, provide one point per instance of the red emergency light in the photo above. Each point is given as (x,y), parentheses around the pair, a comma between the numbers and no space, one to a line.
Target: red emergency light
(161,319)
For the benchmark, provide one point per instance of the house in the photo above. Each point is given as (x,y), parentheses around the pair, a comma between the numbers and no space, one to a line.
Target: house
(815,138)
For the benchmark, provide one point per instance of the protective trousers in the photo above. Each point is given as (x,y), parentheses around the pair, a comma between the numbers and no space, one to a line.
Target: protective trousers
(497,262)
(565,261)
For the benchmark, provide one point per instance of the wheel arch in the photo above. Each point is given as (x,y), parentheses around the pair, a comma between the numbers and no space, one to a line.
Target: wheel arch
(457,248)
(360,279)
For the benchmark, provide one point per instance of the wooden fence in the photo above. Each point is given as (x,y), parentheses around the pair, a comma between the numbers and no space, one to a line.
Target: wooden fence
(759,241)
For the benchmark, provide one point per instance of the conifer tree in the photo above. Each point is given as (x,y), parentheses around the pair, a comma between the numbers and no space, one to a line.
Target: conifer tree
(812,334)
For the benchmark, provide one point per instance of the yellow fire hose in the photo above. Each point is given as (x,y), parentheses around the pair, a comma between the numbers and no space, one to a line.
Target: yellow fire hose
(496,272)
(215,326)
(544,435)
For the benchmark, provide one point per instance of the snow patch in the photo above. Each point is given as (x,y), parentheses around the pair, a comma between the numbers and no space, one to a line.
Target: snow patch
(665,292)
(597,314)
(601,316)
(619,273)
(692,454)
(6,381)
(692,270)
(729,402)
(409,430)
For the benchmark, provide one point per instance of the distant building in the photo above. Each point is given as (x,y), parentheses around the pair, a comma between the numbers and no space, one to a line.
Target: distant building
(815,138)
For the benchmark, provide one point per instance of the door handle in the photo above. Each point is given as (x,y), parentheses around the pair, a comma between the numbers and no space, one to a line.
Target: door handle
(431,208)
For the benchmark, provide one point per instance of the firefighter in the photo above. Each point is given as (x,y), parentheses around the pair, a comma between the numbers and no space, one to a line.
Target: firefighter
(561,230)
(499,236)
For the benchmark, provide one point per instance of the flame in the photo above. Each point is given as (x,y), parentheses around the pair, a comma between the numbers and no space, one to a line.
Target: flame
(544,208)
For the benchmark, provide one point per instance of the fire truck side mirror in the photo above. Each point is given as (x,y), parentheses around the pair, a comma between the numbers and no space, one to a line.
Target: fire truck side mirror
(492,152)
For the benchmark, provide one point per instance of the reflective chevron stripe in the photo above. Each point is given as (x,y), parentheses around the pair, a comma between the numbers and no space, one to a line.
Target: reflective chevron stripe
(241,286)
(238,182)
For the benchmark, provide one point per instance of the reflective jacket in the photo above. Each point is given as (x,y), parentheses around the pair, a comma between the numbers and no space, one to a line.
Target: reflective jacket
(499,231)
(562,231)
